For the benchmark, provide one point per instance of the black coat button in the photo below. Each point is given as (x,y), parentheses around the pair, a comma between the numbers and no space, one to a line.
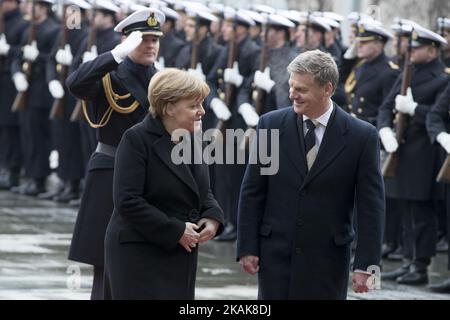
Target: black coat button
(194,216)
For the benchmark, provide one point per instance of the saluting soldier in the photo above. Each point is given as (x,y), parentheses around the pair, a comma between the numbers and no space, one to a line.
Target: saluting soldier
(34,118)
(228,177)
(438,125)
(116,83)
(206,50)
(414,184)
(67,135)
(10,146)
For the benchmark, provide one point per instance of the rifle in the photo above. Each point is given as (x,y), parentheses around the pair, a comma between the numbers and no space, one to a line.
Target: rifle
(399,44)
(441,26)
(57,111)
(229,88)
(21,99)
(401,119)
(77,113)
(305,45)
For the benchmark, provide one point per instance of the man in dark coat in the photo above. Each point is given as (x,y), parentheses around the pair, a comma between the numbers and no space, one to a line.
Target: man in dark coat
(170,43)
(10,150)
(116,83)
(414,186)
(295,226)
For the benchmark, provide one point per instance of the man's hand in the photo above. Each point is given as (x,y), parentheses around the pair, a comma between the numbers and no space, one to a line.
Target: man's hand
(250,264)
(4,46)
(388,139)
(121,51)
(198,71)
(64,56)
(30,51)
(190,237)
(90,55)
(220,109)
(444,140)
(210,229)
(359,282)
(263,81)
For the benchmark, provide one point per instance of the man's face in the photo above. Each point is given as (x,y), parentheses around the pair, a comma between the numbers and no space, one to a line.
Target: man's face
(368,49)
(306,95)
(147,52)
(423,54)
(227,30)
(189,29)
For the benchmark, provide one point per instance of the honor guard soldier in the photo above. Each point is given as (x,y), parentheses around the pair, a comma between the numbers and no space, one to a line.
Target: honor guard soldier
(10,145)
(413,184)
(373,75)
(170,43)
(34,101)
(200,53)
(273,79)
(67,135)
(116,83)
(438,125)
(239,76)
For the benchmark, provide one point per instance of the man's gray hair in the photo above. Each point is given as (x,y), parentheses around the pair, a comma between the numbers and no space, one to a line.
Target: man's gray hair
(319,64)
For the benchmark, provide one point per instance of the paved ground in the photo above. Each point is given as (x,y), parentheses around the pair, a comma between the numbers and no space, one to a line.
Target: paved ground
(34,239)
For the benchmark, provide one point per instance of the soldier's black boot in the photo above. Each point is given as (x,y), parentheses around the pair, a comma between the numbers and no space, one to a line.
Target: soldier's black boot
(20,189)
(36,187)
(417,275)
(71,192)
(394,274)
(442,287)
(51,194)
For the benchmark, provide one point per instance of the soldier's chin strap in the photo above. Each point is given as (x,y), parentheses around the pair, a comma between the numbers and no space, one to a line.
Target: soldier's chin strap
(112,97)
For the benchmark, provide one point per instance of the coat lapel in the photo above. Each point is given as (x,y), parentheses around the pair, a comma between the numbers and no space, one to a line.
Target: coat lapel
(333,143)
(132,84)
(163,149)
(292,145)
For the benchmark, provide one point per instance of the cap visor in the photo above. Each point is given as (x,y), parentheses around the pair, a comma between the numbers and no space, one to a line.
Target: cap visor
(152,33)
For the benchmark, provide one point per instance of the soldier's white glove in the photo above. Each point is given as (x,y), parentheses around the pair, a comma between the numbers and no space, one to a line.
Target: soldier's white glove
(198,71)
(220,109)
(64,56)
(388,139)
(121,51)
(20,81)
(352,51)
(444,140)
(249,114)
(90,55)
(4,46)
(406,104)
(232,75)
(263,81)
(56,89)
(30,51)
(160,64)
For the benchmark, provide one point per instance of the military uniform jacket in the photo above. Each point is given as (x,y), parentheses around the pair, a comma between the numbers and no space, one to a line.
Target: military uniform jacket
(15,26)
(86,83)
(169,48)
(374,80)
(418,158)
(247,54)
(38,94)
(438,119)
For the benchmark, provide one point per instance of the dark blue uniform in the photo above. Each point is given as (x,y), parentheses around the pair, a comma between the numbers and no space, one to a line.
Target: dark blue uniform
(10,150)
(414,184)
(34,120)
(169,48)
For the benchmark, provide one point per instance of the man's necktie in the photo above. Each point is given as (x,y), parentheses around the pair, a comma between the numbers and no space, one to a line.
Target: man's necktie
(310,143)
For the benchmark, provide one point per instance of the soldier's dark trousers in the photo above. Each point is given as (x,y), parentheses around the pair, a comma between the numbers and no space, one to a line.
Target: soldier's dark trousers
(88,141)
(420,229)
(36,141)
(393,229)
(10,146)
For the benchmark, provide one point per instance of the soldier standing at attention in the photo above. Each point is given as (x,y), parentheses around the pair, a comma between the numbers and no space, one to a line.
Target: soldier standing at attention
(116,83)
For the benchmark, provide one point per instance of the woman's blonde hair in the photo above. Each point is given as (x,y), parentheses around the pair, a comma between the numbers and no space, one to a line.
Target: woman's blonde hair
(172,85)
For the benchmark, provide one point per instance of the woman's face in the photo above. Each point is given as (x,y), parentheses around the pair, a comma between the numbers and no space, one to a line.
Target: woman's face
(185,114)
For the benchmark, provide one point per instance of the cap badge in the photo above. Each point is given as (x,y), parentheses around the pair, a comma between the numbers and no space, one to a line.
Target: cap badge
(151,21)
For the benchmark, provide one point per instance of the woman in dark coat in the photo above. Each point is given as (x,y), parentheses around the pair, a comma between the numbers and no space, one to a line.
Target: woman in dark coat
(162,210)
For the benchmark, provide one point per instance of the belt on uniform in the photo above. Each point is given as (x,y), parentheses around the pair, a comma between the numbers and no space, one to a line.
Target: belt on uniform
(106,149)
